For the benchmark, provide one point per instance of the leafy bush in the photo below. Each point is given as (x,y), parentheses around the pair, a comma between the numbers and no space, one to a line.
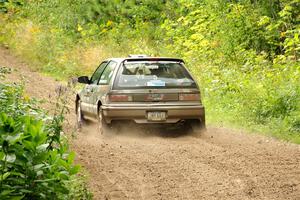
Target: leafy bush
(35,162)
(246,57)
(29,168)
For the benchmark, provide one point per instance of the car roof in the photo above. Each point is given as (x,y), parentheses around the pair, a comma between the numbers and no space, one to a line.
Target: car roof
(119,60)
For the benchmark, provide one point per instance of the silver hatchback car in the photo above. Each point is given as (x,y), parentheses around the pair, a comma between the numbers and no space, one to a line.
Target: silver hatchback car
(145,90)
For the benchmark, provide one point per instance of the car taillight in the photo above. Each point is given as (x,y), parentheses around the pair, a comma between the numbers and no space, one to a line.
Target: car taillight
(189,97)
(120,98)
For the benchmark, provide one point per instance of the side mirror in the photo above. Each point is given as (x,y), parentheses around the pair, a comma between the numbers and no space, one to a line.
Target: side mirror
(84,80)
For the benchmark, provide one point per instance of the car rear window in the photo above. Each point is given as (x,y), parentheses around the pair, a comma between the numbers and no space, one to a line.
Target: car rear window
(153,74)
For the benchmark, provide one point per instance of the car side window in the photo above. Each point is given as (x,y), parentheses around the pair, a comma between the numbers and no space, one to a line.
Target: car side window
(96,76)
(107,73)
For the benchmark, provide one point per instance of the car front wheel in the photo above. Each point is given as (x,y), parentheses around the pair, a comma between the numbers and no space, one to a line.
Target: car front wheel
(79,116)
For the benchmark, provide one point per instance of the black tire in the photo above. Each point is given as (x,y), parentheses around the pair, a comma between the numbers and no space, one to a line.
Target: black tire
(103,127)
(197,127)
(79,116)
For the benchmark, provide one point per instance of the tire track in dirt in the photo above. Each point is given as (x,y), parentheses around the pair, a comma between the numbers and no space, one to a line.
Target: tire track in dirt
(154,164)
(197,168)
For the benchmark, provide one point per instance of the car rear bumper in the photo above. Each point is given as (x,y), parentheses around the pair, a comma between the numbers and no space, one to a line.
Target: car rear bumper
(174,113)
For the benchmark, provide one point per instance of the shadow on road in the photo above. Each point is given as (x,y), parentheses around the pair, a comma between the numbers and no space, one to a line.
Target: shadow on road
(138,130)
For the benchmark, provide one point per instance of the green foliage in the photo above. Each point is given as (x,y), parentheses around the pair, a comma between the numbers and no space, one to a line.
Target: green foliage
(10,5)
(248,63)
(245,54)
(128,11)
(28,168)
(16,104)
(35,162)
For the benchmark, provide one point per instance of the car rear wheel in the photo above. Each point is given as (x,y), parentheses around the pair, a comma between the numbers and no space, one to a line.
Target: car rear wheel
(103,127)
(79,117)
(197,127)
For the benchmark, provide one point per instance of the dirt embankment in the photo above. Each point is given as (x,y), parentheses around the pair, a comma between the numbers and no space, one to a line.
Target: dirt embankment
(154,164)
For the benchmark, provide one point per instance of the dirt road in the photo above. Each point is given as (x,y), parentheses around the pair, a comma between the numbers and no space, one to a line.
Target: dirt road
(157,164)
